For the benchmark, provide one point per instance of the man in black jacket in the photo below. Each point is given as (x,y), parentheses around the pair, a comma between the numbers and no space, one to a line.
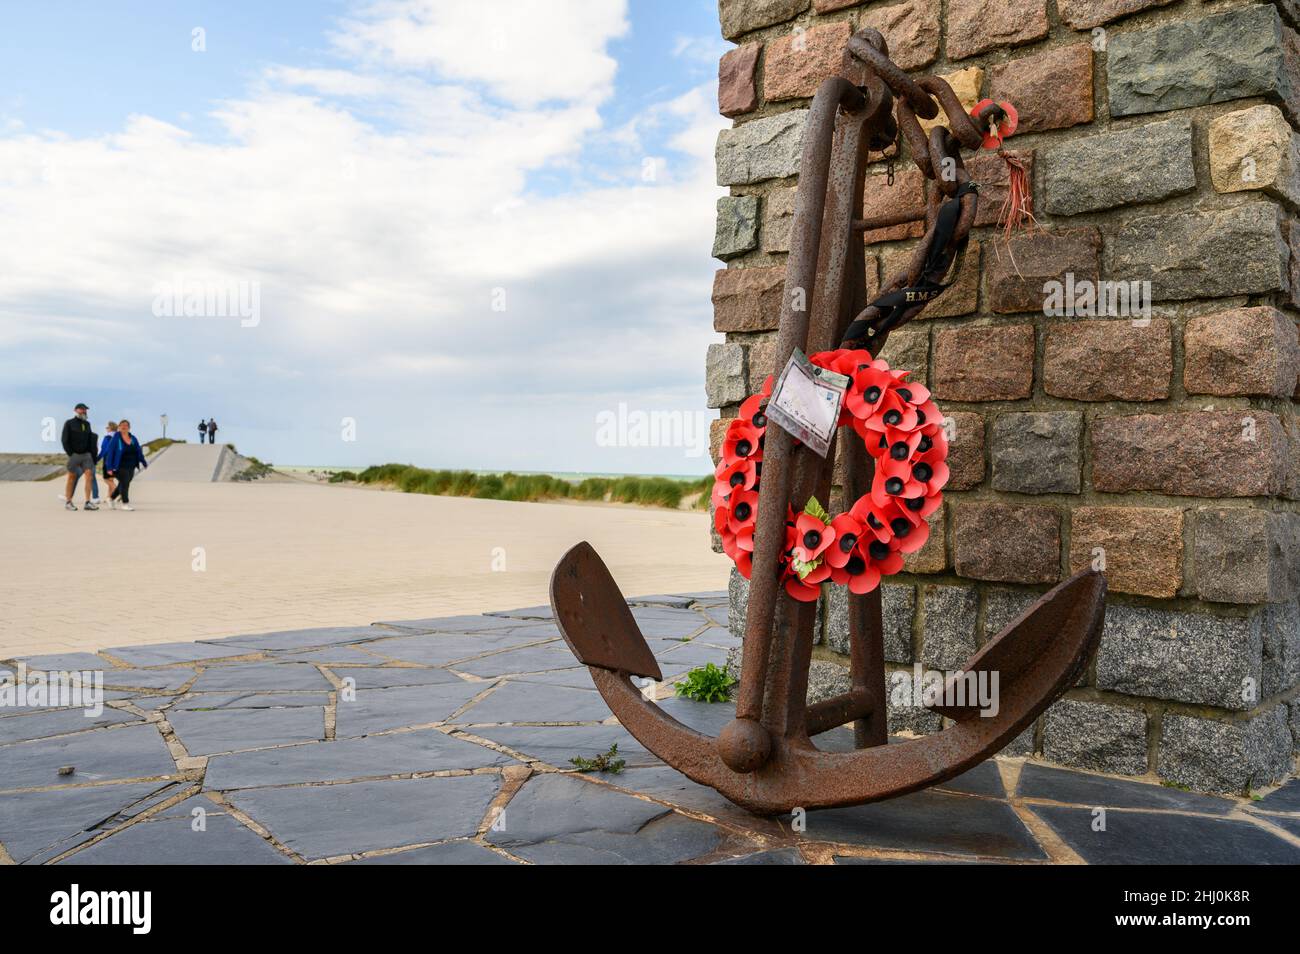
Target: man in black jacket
(81,444)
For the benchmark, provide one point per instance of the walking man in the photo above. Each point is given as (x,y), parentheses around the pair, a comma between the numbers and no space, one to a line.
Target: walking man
(212,430)
(81,446)
(203,430)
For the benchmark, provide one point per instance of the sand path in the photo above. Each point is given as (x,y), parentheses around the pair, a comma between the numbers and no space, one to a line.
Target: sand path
(197,560)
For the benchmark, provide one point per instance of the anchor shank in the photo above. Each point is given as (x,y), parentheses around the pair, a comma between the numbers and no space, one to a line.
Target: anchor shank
(805,249)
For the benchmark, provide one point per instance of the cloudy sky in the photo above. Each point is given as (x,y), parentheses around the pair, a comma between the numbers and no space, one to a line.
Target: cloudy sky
(469,226)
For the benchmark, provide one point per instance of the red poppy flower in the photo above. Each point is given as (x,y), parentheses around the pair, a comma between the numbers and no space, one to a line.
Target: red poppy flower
(908,524)
(891,411)
(742,510)
(742,442)
(858,573)
(874,518)
(810,587)
(930,470)
(812,537)
(867,391)
(910,391)
(848,531)
(741,475)
(752,411)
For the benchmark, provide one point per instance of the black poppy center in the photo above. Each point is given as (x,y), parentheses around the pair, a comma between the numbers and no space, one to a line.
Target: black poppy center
(872,394)
(905,394)
(848,542)
(760,419)
(737,478)
(920,417)
(855,565)
(925,444)
(743,448)
(894,486)
(900,450)
(901,526)
(743,510)
(811,540)
(892,417)
(914,503)
(873,522)
(878,550)
(923,471)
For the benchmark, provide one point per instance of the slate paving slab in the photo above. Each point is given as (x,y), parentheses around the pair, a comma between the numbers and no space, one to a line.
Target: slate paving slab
(450,624)
(665,783)
(525,612)
(706,717)
(118,752)
(42,725)
(165,654)
(251,700)
(222,841)
(378,710)
(1144,838)
(1059,785)
(64,662)
(776,856)
(439,649)
(661,621)
(556,744)
(387,678)
(207,732)
(260,675)
(530,659)
(447,853)
(693,654)
(402,753)
(332,656)
(327,820)
(162,679)
(1284,799)
(558,819)
(929,821)
(32,822)
(536,702)
(983,779)
(299,638)
(675,601)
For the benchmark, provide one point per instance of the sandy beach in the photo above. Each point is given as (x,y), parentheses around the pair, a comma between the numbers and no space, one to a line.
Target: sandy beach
(215,559)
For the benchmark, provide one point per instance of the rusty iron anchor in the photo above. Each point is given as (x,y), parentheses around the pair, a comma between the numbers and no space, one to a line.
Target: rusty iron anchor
(767,760)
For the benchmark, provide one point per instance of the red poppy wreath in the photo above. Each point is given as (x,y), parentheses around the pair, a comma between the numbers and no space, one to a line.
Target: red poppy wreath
(902,429)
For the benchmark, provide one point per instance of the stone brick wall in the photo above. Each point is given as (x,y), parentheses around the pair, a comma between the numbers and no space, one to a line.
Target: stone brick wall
(1161,139)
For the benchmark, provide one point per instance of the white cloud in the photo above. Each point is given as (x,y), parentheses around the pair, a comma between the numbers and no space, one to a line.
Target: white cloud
(378,207)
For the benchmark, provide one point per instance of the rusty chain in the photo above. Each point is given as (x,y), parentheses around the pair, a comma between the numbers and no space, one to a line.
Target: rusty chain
(938,156)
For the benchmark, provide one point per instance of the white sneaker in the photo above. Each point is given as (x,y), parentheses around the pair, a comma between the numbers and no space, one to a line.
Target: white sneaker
(97,502)
(112,503)
(127,507)
(68,504)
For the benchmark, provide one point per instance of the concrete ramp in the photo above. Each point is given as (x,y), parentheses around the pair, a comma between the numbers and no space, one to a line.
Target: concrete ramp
(186,463)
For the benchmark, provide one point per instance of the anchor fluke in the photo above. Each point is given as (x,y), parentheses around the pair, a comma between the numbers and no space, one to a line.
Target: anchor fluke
(594,618)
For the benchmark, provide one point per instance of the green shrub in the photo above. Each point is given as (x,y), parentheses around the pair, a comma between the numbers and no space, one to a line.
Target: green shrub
(707,683)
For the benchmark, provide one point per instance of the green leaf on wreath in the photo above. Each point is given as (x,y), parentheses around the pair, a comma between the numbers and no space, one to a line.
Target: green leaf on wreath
(815,509)
(801,568)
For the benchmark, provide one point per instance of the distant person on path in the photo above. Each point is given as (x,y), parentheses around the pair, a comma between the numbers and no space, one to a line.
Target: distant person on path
(123,457)
(110,431)
(212,430)
(80,444)
(203,430)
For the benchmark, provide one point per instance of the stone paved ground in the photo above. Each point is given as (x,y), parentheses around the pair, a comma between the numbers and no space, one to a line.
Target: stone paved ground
(455,749)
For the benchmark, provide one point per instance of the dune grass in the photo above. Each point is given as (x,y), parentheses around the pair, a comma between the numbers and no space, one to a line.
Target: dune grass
(648,491)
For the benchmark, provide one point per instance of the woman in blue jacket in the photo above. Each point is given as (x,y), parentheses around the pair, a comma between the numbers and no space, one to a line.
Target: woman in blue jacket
(124,455)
